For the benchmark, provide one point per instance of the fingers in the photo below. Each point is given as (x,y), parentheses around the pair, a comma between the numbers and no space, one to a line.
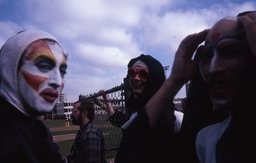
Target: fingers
(96,101)
(183,66)
(248,22)
(191,42)
(199,53)
(103,93)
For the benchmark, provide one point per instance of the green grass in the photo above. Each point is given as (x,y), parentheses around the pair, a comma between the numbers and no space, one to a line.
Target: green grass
(112,135)
(65,147)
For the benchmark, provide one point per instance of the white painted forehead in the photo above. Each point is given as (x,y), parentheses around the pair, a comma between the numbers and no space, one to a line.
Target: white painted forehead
(230,18)
(140,63)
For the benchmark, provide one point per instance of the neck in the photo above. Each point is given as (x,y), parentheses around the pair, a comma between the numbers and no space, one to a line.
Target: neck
(84,122)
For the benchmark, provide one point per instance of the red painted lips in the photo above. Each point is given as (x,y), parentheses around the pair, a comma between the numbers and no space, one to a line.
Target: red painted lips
(49,95)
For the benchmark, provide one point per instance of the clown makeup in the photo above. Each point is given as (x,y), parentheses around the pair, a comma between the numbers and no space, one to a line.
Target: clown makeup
(226,47)
(137,70)
(41,75)
(220,66)
(138,77)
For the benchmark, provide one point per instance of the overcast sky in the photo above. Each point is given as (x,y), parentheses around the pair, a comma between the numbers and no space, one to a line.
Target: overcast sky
(101,36)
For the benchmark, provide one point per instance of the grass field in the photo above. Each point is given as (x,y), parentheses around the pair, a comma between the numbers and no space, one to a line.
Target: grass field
(64,146)
(112,135)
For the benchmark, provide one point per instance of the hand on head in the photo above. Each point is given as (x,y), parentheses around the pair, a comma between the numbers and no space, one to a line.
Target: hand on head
(103,93)
(248,21)
(184,67)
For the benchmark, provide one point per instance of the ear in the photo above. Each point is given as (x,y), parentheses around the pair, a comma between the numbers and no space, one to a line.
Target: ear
(84,114)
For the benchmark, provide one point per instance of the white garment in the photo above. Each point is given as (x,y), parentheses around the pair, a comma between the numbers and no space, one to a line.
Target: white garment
(178,121)
(207,138)
(132,117)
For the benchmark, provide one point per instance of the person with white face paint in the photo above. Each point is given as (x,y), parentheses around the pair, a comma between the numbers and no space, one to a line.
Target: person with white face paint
(32,69)
(42,71)
(227,64)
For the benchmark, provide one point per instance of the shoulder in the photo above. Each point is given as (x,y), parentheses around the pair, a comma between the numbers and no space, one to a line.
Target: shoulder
(215,128)
(207,138)
(91,130)
(209,135)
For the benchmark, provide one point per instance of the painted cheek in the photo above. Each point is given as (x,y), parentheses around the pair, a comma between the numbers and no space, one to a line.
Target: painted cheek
(33,80)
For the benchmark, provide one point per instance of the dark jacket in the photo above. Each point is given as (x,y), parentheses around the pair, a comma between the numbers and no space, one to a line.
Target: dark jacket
(24,140)
(89,145)
(139,142)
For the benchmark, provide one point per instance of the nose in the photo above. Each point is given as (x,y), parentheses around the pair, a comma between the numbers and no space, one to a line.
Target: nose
(55,81)
(215,63)
(136,76)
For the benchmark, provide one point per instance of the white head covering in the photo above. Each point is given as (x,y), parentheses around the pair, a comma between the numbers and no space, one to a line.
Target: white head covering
(10,55)
(140,63)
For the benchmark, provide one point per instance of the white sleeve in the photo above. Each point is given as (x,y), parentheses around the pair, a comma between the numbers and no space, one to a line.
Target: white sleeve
(200,146)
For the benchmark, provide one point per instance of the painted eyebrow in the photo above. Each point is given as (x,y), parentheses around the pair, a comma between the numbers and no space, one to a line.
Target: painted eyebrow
(44,56)
(230,37)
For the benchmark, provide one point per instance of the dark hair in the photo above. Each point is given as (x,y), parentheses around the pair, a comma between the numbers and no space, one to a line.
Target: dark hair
(87,106)
(245,13)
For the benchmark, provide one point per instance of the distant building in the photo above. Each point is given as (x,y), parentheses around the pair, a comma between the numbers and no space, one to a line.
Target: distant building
(179,103)
(62,109)
(68,106)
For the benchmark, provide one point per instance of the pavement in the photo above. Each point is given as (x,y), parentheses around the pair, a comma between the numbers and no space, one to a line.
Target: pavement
(60,138)
(64,137)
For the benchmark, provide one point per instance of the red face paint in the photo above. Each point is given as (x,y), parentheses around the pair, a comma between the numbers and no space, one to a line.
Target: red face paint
(33,80)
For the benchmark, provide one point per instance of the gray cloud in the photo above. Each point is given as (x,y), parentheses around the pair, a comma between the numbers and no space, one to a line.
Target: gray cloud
(102,36)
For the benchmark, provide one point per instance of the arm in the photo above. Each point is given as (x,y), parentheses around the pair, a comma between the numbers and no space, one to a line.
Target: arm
(182,71)
(106,105)
(117,118)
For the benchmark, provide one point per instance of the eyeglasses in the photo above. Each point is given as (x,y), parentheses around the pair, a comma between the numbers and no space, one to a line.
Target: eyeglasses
(229,45)
(142,72)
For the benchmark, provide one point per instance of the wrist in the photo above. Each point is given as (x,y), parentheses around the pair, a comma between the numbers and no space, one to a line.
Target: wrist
(110,109)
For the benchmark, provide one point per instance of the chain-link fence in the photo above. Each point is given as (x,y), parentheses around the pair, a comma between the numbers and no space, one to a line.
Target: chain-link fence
(116,97)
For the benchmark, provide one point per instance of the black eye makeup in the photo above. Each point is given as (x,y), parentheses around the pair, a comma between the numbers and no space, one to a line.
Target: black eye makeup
(232,48)
(63,70)
(44,63)
(226,46)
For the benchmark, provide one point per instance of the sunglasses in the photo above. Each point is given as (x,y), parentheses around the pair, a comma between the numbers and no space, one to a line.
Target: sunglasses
(142,72)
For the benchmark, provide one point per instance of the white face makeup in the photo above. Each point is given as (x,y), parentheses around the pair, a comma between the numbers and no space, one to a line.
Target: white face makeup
(223,63)
(41,75)
(138,77)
